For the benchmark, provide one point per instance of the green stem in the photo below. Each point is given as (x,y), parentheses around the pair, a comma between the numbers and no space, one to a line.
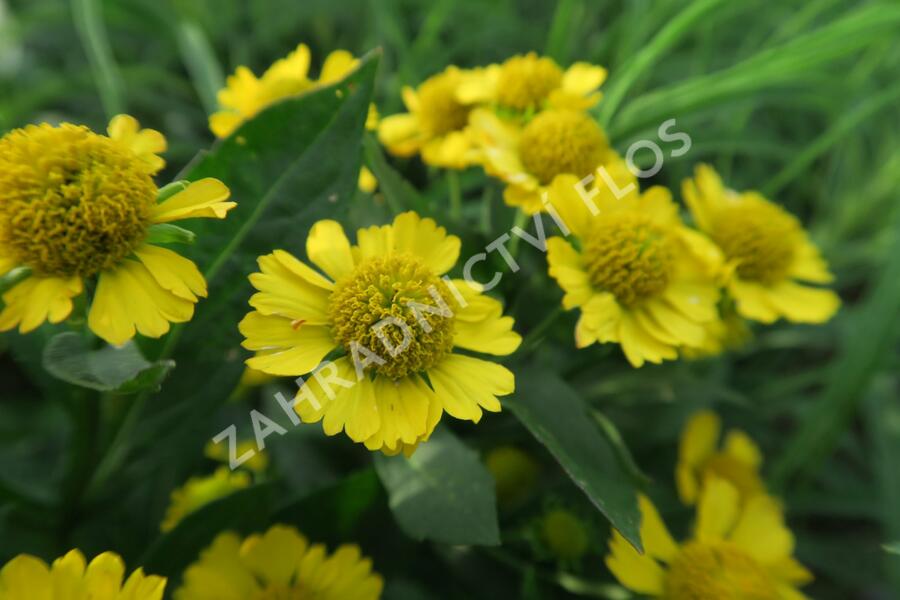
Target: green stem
(201,62)
(455,191)
(536,334)
(89,24)
(84,411)
(519,221)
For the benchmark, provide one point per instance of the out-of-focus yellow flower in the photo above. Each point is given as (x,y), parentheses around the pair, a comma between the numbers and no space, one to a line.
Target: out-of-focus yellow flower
(737,552)
(200,491)
(729,332)
(564,534)
(77,207)
(279,564)
(639,276)
(245,94)
(436,125)
(258,463)
(700,458)
(385,303)
(515,474)
(767,251)
(530,83)
(71,578)
(530,158)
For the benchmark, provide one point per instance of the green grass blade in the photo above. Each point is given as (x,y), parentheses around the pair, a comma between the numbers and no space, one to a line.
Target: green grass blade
(201,63)
(92,32)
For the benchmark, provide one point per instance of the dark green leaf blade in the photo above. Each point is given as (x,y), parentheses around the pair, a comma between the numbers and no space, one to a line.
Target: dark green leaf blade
(442,493)
(557,417)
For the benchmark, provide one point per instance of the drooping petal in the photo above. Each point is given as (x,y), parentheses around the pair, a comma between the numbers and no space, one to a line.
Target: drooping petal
(290,289)
(803,304)
(466,385)
(283,347)
(657,540)
(37,299)
(205,198)
(567,268)
(173,272)
(638,572)
(400,134)
(739,446)
(717,510)
(760,531)
(481,327)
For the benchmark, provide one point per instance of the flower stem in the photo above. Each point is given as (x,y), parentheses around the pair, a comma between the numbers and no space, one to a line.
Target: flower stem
(455,191)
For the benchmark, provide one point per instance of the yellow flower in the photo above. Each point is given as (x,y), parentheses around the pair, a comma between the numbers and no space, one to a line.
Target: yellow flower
(699,458)
(278,564)
(640,277)
(245,94)
(257,463)
(384,303)
(729,332)
(515,474)
(200,491)
(71,578)
(529,82)
(75,207)
(436,125)
(530,158)
(737,552)
(767,251)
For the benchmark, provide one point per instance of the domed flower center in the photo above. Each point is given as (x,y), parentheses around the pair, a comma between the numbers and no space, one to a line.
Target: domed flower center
(742,476)
(281,592)
(71,202)
(719,571)
(629,256)
(526,81)
(760,237)
(439,112)
(396,308)
(561,141)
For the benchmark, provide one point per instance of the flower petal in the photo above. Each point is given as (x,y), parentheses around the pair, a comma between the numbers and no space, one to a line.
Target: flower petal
(290,289)
(638,572)
(205,198)
(328,248)
(717,510)
(424,239)
(173,272)
(37,299)
(583,78)
(466,385)
(283,347)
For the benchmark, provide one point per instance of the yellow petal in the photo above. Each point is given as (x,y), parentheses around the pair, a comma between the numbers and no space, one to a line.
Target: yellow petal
(318,393)
(452,151)
(527,199)
(104,574)
(657,540)
(375,241)
(284,347)
(37,299)
(173,272)
(143,587)
(761,532)
(329,249)
(600,320)
(224,122)
(717,510)
(274,556)
(356,412)
(704,195)
(201,199)
(803,304)
(366,182)
(809,265)
(699,438)
(739,446)
(481,327)
(566,267)
(145,143)
(752,300)
(291,289)
(337,65)
(637,572)
(403,408)
(400,134)
(26,577)
(568,198)
(466,385)
(583,78)
(424,239)
(639,346)
(478,86)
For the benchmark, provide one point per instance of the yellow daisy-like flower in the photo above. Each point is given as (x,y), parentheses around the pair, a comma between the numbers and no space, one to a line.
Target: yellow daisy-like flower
(530,82)
(700,458)
(385,303)
(76,206)
(767,251)
(554,144)
(200,491)
(638,275)
(737,552)
(245,94)
(279,564)
(71,578)
(436,125)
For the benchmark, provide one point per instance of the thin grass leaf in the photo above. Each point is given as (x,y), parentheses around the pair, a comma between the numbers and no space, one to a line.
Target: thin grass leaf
(88,18)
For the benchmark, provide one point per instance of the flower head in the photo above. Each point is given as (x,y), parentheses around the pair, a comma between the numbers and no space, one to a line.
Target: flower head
(436,125)
(638,275)
(737,552)
(71,578)
(700,458)
(200,491)
(76,206)
(767,252)
(385,305)
(278,565)
(528,82)
(529,158)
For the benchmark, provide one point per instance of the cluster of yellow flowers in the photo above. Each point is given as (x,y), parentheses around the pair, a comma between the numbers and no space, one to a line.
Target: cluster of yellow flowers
(80,211)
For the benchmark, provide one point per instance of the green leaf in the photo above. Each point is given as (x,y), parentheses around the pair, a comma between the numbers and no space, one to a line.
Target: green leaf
(442,493)
(892,548)
(558,418)
(68,357)
(398,192)
(244,511)
(167,233)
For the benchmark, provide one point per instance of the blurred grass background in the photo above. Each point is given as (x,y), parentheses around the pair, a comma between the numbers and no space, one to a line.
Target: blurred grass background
(798,99)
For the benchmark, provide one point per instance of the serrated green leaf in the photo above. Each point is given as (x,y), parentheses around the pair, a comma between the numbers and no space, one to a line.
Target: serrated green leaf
(67,356)
(442,493)
(558,418)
